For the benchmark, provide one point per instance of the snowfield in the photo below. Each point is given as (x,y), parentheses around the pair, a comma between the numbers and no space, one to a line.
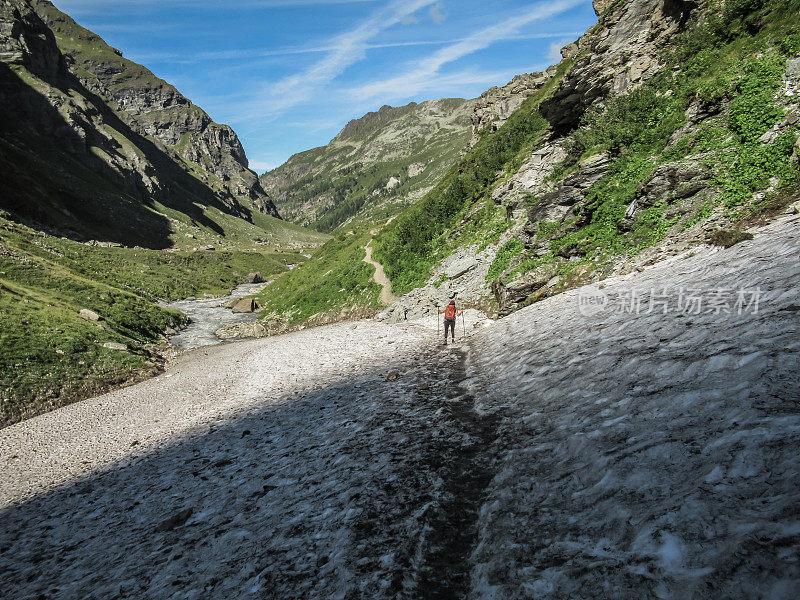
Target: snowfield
(637,452)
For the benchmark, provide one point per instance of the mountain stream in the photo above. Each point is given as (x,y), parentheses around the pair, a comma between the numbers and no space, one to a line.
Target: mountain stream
(208,315)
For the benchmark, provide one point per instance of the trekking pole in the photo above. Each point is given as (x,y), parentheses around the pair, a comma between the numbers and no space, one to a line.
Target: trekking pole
(437,320)
(463,325)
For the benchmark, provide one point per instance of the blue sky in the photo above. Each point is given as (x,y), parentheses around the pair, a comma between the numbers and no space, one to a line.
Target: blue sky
(287,75)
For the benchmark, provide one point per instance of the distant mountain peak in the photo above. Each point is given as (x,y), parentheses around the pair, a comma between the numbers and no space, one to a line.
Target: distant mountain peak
(381,161)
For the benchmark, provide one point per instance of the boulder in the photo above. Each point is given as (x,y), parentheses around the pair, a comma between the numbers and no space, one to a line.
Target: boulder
(255,278)
(416,169)
(245,305)
(673,181)
(241,330)
(570,50)
(511,295)
(590,171)
(115,346)
(793,68)
(89,315)
(460,267)
(555,205)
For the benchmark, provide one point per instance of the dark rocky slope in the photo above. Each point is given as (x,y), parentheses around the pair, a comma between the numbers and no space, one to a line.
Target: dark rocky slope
(96,145)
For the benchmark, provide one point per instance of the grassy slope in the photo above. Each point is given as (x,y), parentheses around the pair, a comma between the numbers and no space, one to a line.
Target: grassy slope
(196,190)
(265,231)
(414,241)
(333,284)
(336,279)
(49,355)
(738,57)
(726,60)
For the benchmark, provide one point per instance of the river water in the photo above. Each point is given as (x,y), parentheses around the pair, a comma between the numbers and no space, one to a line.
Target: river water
(207,315)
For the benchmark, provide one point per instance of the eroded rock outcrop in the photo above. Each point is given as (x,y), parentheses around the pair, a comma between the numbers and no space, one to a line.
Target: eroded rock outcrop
(620,52)
(496,104)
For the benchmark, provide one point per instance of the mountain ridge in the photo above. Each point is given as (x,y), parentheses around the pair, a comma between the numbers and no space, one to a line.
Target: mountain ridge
(376,165)
(158,166)
(666,122)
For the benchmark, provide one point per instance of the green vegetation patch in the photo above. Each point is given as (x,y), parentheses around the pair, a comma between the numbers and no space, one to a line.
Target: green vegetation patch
(727,237)
(738,57)
(507,251)
(411,245)
(50,355)
(333,280)
(344,184)
(730,68)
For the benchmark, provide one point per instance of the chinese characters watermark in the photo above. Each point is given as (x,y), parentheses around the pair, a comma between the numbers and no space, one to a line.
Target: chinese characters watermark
(689,301)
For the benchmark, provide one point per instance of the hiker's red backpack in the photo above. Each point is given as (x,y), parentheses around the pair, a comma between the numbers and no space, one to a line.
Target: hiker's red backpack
(450,312)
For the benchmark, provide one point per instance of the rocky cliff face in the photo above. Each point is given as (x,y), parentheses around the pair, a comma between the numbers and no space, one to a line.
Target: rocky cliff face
(374,167)
(496,104)
(622,51)
(94,142)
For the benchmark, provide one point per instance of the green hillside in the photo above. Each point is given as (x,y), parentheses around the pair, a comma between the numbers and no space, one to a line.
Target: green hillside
(334,284)
(50,355)
(95,146)
(732,66)
(376,166)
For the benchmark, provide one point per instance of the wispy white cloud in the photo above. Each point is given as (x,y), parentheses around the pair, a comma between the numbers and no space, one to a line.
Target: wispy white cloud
(417,77)
(437,13)
(251,53)
(458,83)
(105,7)
(262,166)
(554,53)
(104,27)
(258,53)
(345,50)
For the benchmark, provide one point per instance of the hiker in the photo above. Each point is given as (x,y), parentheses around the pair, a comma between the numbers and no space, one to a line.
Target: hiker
(450,314)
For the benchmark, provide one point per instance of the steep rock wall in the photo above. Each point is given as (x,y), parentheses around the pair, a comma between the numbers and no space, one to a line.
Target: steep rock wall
(93,141)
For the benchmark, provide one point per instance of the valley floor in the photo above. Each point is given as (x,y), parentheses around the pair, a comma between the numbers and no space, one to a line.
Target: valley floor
(638,452)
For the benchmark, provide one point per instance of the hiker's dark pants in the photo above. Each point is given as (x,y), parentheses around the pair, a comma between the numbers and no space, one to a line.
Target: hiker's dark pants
(451,325)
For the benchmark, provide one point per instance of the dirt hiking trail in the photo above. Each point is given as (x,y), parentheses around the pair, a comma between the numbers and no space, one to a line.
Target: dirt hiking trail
(380,277)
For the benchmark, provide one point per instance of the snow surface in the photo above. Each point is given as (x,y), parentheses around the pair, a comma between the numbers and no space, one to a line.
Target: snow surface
(551,455)
(653,455)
